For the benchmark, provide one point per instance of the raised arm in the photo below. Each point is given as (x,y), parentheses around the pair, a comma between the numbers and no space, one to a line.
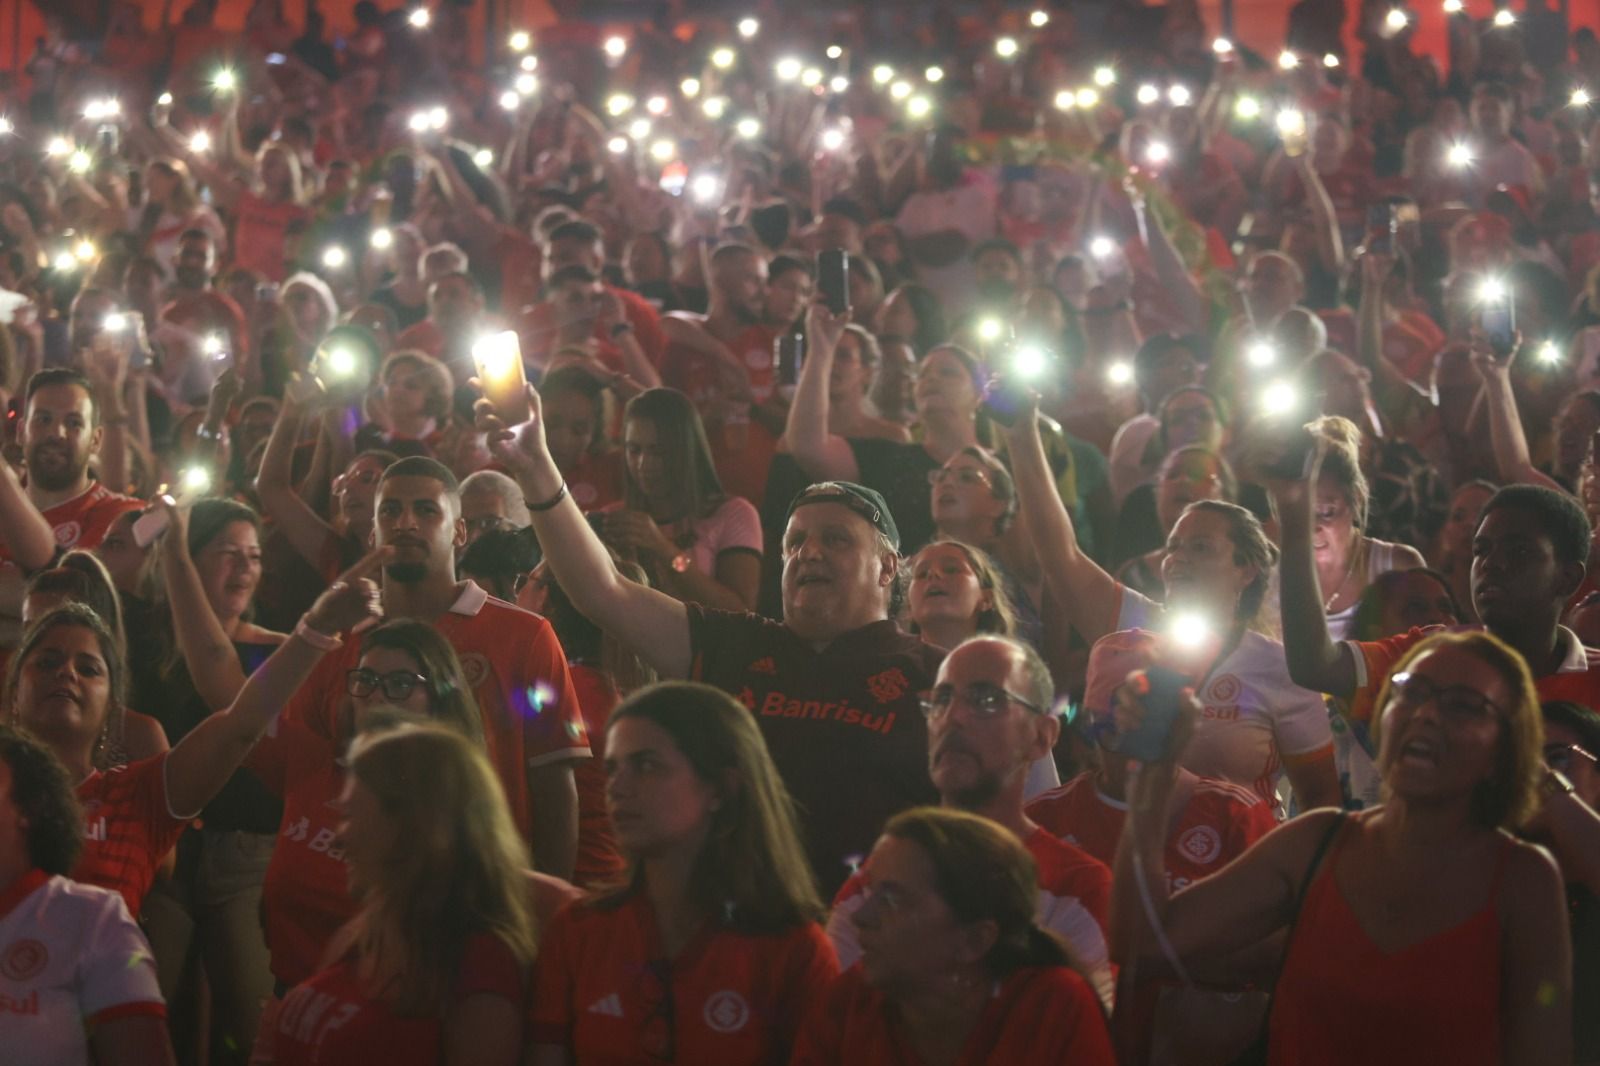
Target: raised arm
(824,456)
(1171,271)
(651,623)
(1315,661)
(311,536)
(23,529)
(1394,393)
(1240,905)
(1324,219)
(635,362)
(1511,458)
(203,760)
(1088,595)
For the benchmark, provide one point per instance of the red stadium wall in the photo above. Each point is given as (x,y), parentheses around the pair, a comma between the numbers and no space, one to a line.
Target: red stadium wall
(1257,23)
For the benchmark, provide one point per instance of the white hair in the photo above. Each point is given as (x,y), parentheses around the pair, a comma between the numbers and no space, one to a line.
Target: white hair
(495,483)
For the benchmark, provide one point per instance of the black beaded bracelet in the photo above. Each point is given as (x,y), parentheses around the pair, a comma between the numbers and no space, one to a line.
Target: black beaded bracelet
(560,495)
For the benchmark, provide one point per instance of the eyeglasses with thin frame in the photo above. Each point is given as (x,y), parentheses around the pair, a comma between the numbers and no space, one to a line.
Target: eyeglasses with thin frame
(1457,704)
(965,475)
(487,523)
(984,700)
(396,684)
(1560,756)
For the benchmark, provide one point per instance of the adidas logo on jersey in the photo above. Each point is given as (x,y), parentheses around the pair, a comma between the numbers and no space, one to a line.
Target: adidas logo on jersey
(610,1005)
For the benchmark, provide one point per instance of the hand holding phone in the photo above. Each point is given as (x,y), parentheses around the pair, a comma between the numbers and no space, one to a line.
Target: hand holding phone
(1157,692)
(833,280)
(789,353)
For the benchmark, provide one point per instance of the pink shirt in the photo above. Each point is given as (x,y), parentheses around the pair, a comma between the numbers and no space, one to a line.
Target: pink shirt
(735,524)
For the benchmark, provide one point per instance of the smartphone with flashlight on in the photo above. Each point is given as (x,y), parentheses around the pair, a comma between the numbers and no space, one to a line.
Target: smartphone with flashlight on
(833,279)
(1497,317)
(1008,394)
(789,351)
(502,376)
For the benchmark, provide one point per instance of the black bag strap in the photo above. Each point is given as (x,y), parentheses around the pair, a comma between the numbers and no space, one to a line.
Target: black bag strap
(1300,897)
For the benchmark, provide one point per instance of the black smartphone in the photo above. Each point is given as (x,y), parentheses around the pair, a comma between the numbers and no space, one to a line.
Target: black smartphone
(789,352)
(1295,462)
(833,279)
(1148,743)
(1382,222)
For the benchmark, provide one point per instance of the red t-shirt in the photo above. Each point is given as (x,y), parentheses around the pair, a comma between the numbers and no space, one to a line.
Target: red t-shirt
(606,993)
(1218,823)
(518,675)
(128,828)
(598,861)
(1074,903)
(1577,679)
(82,521)
(646,323)
(332,1019)
(742,450)
(1036,1015)
(262,230)
(596,482)
(305,897)
(209,310)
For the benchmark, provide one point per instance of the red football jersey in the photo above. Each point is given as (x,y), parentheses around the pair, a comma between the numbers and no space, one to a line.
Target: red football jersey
(332,1018)
(518,675)
(1218,823)
(305,897)
(606,993)
(128,828)
(598,860)
(82,521)
(1036,1015)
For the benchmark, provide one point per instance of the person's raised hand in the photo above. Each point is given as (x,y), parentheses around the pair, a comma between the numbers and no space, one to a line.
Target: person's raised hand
(520,448)
(353,600)
(824,327)
(175,539)
(1152,785)
(1491,367)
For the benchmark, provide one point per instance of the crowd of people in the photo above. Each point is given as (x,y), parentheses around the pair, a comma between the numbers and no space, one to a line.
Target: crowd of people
(925,533)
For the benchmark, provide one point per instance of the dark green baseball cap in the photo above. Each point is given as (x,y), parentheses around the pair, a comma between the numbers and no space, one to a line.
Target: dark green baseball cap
(868,503)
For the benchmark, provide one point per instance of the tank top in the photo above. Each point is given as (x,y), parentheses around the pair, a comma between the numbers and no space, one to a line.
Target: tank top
(1341,1000)
(1380,560)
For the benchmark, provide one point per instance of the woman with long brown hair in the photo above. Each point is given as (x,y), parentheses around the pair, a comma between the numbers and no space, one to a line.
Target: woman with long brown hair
(709,950)
(433,967)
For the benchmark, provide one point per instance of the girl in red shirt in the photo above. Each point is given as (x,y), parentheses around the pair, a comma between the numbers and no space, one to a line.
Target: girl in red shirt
(433,968)
(710,950)
(954,968)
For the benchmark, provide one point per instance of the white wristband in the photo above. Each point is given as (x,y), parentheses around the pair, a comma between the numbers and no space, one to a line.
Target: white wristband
(320,641)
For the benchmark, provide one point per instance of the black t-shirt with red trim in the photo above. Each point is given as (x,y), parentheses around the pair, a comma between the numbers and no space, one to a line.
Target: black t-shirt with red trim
(843,724)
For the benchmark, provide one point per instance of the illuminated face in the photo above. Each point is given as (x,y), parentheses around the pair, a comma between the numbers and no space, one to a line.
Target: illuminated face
(57,437)
(1436,743)
(658,803)
(230,569)
(944,586)
(1199,568)
(64,690)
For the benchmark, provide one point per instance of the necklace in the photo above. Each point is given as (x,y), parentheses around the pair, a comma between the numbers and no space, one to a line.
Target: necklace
(1355,556)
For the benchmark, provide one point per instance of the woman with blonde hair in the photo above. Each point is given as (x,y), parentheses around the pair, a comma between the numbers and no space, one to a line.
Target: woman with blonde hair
(1420,930)
(411,401)
(708,950)
(1347,559)
(433,967)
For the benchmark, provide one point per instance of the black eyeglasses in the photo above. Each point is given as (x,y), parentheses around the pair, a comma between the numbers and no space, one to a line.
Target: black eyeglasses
(1458,704)
(488,523)
(396,684)
(985,701)
(660,1032)
(1559,756)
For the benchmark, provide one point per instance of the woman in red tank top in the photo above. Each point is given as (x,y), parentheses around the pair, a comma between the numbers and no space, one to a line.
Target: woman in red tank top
(1420,931)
